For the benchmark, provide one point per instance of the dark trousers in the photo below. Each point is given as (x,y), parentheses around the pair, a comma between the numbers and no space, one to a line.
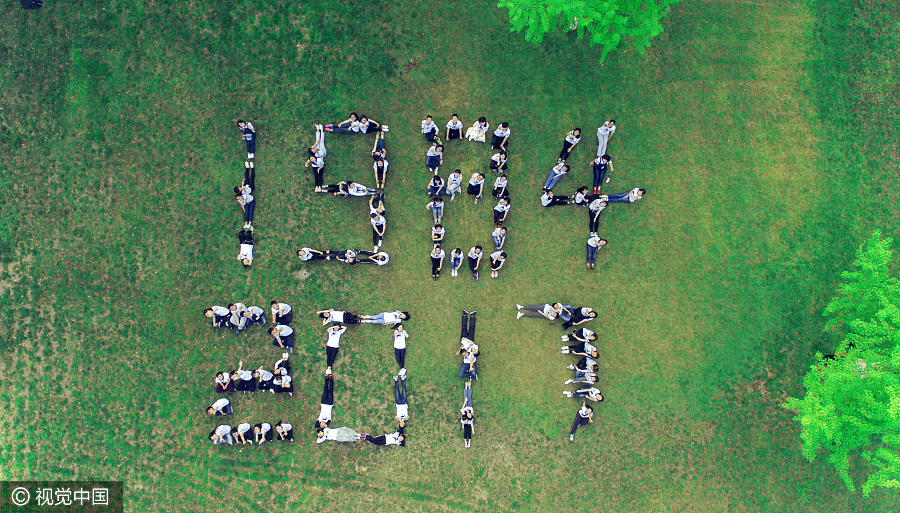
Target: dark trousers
(435,263)
(248,211)
(453,133)
(288,341)
(495,143)
(576,317)
(400,356)
(328,393)
(593,221)
(250,137)
(500,193)
(264,385)
(599,174)
(559,200)
(467,431)
(579,421)
(250,177)
(376,238)
(285,319)
(318,175)
(430,136)
(468,327)
(400,393)
(497,167)
(330,354)
(472,264)
(245,237)
(566,151)
(592,253)
(499,217)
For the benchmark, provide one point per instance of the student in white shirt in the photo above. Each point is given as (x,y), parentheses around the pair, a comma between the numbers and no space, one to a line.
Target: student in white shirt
(500,140)
(437,233)
(594,243)
(281,312)
(400,338)
(250,316)
(582,418)
(220,407)
(333,344)
(367,125)
(581,335)
(594,208)
(498,258)
(437,261)
(358,189)
(395,438)
(341,434)
(371,257)
(598,167)
(456,258)
(284,336)
(435,186)
(347,126)
(223,382)
(330,315)
(430,130)
(558,171)
(454,128)
(454,184)
(478,130)
(247,184)
(316,157)
(467,412)
(380,164)
(501,190)
(245,247)
(604,134)
(243,380)
(240,433)
(476,186)
(501,210)
(474,257)
(400,399)
(285,431)
(249,135)
(283,384)
(434,158)
(310,254)
(326,406)
(542,310)
(548,199)
(248,205)
(347,256)
(583,377)
(222,435)
(437,209)
(586,393)
(262,432)
(498,161)
(581,349)
(379,223)
(580,315)
(572,139)
(219,316)
(499,236)
(264,379)
(582,198)
(626,197)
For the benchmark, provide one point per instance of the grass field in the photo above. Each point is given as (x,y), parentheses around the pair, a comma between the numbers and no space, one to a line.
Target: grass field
(119,150)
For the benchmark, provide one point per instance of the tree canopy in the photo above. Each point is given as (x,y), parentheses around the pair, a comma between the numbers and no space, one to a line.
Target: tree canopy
(606,21)
(852,403)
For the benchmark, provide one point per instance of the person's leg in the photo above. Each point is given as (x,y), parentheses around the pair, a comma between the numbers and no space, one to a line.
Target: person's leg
(248,211)
(471,327)
(591,254)
(330,355)
(318,174)
(375,237)
(320,143)
(467,396)
(549,182)
(575,425)
(601,143)
(403,391)
(464,331)
(400,356)
(467,431)
(618,196)
(328,393)
(497,216)
(434,265)
(397,396)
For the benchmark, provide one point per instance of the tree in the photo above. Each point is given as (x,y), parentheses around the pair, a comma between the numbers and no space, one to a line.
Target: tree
(607,21)
(852,403)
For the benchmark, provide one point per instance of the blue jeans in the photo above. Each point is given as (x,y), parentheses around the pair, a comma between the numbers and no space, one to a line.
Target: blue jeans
(498,241)
(621,197)
(343,128)
(248,211)
(250,137)
(431,135)
(436,190)
(455,263)
(551,180)
(437,212)
(599,173)
(591,257)
(464,370)
(432,162)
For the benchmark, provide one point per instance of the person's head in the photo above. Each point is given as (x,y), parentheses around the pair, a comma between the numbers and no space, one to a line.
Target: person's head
(402,424)
(241,123)
(379,161)
(454,117)
(312,158)
(565,167)
(481,176)
(549,193)
(436,180)
(502,255)
(612,121)
(239,196)
(592,337)
(322,424)
(594,379)
(469,415)
(438,200)
(595,368)
(320,433)
(354,116)
(257,429)
(211,410)
(212,434)
(274,304)
(401,439)
(438,227)
(273,331)
(464,352)
(602,243)
(237,190)
(301,253)
(582,189)
(345,186)
(256,374)
(279,427)
(478,249)
(220,375)
(235,376)
(503,154)
(232,307)
(504,201)
(604,204)
(440,147)
(504,177)
(209,312)
(457,172)
(642,192)
(482,119)
(246,262)
(374,215)
(504,125)
(351,183)
(405,316)
(458,251)
(427,118)
(594,354)
(324,315)
(589,408)
(503,230)
(577,132)
(437,248)
(605,158)
(592,314)
(364,119)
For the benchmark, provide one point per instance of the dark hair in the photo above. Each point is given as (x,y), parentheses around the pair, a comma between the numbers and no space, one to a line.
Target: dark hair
(220,372)
(503,176)
(502,152)
(319,431)
(605,156)
(398,325)
(246,265)
(237,190)
(566,167)
(592,312)
(241,121)
(273,302)
(578,129)
(642,191)
(457,115)
(272,330)
(613,121)
(482,119)
(207,310)
(374,215)
(604,203)
(604,241)
(211,434)
(428,116)
(582,188)
(406,315)
(588,407)
(438,225)
(438,198)
(363,116)
(477,247)
(323,315)
(595,367)
(238,195)
(504,124)
(230,305)
(458,171)
(437,246)
(354,115)
(441,146)
(503,254)
(594,379)
(312,152)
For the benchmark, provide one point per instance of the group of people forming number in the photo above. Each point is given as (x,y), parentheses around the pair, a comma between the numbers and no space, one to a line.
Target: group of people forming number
(243,194)
(582,344)
(438,187)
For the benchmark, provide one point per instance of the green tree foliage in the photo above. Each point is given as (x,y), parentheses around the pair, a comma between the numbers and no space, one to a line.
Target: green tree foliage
(852,402)
(607,21)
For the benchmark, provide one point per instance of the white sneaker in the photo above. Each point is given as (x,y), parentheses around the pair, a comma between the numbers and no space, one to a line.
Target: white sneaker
(518,306)
(568,382)
(565,338)
(246,165)
(284,356)
(519,315)
(328,371)
(252,155)
(570,367)
(571,438)
(375,250)
(565,349)
(402,372)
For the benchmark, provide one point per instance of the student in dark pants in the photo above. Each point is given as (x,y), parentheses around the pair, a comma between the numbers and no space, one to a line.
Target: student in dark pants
(582,418)
(400,337)
(332,346)
(249,135)
(326,406)
(580,315)
(395,438)
(469,367)
(500,139)
(594,210)
(474,257)
(569,143)
(594,243)
(285,431)
(599,166)
(248,184)
(400,398)
(282,313)
(437,261)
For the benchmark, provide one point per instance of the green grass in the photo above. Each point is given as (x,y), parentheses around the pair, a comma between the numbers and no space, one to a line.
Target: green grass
(119,150)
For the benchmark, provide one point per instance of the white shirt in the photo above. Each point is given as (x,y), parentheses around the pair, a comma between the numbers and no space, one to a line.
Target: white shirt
(558,169)
(245,252)
(392,439)
(284,381)
(320,160)
(325,412)
(496,256)
(473,254)
(501,132)
(245,375)
(438,253)
(496,233)
(454,181)
(220,311)
(545,200)
(400,338)
(392,317)
(329,434)
(594,241)
(437,231)
(386,258)
(475,180)
(634,195)
(307,254)
(433,152)
(465,410)
(481,127)
(354,126)
(245,199)
(239,307)
(403,411)
(375,165)
(596,206)
(283,330)
(246,190)
(594,394)
(334,335)
(499,159)
(358,190)
(379,220)
(265,375)
(468,345)
(243,428)
(579,197)
(255,311)
(281,308)
(469,358)
(606,129)
(432,204)
(335,316)
(500,183)
(224,379)
(585,413)
(223,430)
(428,126)
(501,207)
(589,362)
(221,404)
(589,348)
(455,125)
(572,138)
